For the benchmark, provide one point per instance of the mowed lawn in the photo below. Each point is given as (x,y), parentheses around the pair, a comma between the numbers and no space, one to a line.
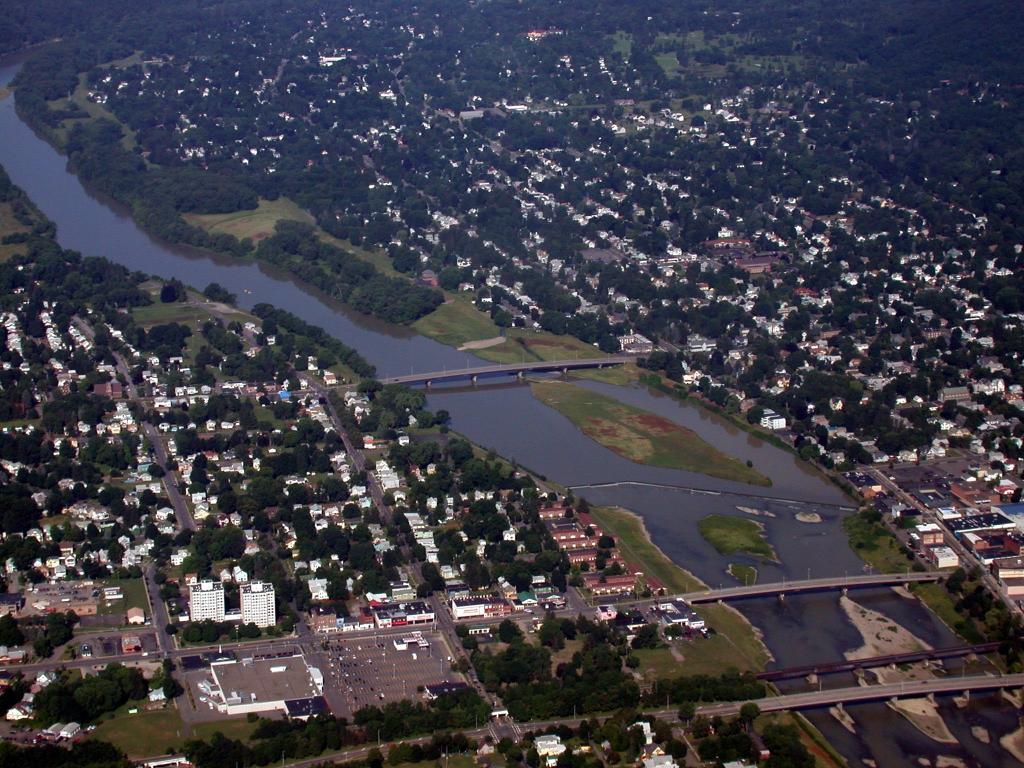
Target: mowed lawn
(145,734)
(731,535)
(255,224)
(160,732)
(640,436)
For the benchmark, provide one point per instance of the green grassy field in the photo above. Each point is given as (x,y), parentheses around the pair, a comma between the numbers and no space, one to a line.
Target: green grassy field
(735,644)
(254,224)
(173,312)
(523,345)
(146,734)
(641,436)
(456,322)
(657,663)
(730,535)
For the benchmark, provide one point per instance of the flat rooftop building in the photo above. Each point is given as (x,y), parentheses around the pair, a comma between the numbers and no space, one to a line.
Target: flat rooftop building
(264,684)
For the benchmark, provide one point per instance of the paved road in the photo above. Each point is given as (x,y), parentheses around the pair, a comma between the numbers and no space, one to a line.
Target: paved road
(157,608)
(170,480)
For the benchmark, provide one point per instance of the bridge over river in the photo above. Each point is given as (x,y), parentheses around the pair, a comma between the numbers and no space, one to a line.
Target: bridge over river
(863,693)
(850,665)
(781,588)
(513,369)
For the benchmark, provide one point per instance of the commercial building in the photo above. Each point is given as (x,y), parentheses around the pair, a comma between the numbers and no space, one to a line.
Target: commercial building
(479,607)
(265,684)
(206,601)
(258,605)
(401,614)
(943,557)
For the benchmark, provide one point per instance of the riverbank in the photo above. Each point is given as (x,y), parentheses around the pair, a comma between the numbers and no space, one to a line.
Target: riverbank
(735,643)
(1014,743)
(737,535)
(881,635)
(640,436)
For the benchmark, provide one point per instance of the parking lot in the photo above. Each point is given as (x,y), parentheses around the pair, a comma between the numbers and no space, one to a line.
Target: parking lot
(100,646)
(365,671)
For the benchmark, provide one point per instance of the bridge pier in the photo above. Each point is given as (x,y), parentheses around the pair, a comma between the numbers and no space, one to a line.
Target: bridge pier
(519,375)
(782,597)
(427,383)
(474,381)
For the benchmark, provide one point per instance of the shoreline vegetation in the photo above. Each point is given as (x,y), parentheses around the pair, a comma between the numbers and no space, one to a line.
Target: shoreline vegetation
(640,436)
(736,642)
(737,535)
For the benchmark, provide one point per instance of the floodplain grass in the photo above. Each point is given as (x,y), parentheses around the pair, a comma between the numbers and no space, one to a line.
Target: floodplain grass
(745,574)
(524,345)
(255,224)
(875,544)
(457,322)
(640,436)
(734,643)
(618,375)
(736,535)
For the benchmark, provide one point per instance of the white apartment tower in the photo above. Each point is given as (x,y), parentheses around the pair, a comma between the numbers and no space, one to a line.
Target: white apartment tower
(258,604)
(206,601)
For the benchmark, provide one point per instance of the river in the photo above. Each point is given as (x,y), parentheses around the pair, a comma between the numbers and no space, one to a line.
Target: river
(508,419)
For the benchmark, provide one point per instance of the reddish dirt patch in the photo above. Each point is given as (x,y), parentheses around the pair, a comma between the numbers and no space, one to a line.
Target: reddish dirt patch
(657,424)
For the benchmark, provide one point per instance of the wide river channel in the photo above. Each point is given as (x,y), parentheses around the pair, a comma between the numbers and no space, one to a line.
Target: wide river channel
(508,419)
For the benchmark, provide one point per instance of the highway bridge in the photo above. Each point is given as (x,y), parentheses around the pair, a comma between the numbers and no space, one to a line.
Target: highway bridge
(865,693)
(848,665)
(513,369)
(835,583)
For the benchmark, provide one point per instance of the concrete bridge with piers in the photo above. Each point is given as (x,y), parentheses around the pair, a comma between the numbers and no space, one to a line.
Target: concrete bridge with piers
(782,588)
(513,369)
(866,693)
